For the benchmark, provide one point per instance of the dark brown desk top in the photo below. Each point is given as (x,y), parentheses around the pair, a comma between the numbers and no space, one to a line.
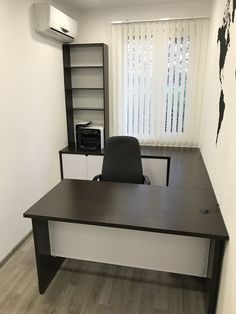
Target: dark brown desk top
(133,206)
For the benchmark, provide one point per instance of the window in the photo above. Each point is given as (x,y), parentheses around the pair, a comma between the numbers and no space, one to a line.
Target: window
(158,71)
(176,85)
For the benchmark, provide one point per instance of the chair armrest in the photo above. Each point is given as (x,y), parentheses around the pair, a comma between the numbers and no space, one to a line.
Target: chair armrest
(146,180)
(97,177)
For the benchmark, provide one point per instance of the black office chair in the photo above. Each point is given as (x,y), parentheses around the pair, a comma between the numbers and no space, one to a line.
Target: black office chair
(122,161)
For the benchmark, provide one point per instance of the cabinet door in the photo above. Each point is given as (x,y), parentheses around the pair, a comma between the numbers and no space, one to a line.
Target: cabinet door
(74,166)
(156,170)
(94,165)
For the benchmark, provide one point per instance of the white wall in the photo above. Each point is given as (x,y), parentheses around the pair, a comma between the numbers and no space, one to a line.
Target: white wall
(94,25)
(32,119)
(221,159)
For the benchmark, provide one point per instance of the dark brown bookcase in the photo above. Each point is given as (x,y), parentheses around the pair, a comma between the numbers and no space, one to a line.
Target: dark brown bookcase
(86,86)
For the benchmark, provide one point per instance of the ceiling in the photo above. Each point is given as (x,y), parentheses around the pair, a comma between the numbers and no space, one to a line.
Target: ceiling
(101,4)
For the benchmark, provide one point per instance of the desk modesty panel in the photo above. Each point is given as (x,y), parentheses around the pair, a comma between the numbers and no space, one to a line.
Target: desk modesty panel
(147,250)
(82,167)
(181,166)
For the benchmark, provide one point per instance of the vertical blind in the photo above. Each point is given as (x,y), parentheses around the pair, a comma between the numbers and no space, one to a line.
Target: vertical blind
(158,78)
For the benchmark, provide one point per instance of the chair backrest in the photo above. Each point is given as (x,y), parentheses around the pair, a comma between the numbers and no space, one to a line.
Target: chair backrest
(122,160)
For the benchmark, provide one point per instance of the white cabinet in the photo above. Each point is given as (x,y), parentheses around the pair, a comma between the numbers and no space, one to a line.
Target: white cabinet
(74,166)
(87,167)
(94,166)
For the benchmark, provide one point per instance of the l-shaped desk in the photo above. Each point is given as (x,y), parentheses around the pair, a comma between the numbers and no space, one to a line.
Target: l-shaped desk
(128,224)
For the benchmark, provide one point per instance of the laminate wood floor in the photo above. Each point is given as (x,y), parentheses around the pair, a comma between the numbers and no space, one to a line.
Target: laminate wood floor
(86,287)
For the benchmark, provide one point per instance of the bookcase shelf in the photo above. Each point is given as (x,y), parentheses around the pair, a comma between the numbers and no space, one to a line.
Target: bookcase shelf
(87,88)
(95,109)
(86,67)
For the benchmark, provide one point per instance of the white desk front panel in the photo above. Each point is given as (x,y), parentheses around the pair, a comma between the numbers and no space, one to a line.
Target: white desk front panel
(148,250)
(94,166)
(156,170)
(83,167)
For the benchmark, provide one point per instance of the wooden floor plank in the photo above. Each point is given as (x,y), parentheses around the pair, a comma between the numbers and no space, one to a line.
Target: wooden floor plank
(94,288)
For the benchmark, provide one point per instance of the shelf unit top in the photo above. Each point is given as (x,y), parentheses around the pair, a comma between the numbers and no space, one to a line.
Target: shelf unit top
(86,45)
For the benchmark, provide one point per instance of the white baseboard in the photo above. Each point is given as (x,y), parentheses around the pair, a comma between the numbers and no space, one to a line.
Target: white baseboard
(6,258)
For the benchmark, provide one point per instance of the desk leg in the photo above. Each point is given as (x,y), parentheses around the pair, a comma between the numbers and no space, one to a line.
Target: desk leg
(47,265)
(213,275)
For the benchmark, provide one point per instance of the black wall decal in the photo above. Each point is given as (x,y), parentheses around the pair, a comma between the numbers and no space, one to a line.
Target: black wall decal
(234,8)
(224,40)
(221,112)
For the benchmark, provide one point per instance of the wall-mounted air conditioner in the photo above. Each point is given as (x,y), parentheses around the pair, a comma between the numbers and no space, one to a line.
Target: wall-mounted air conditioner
(54,23)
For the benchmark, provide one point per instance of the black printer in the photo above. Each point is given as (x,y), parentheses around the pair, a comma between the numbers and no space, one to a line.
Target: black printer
(89,137)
